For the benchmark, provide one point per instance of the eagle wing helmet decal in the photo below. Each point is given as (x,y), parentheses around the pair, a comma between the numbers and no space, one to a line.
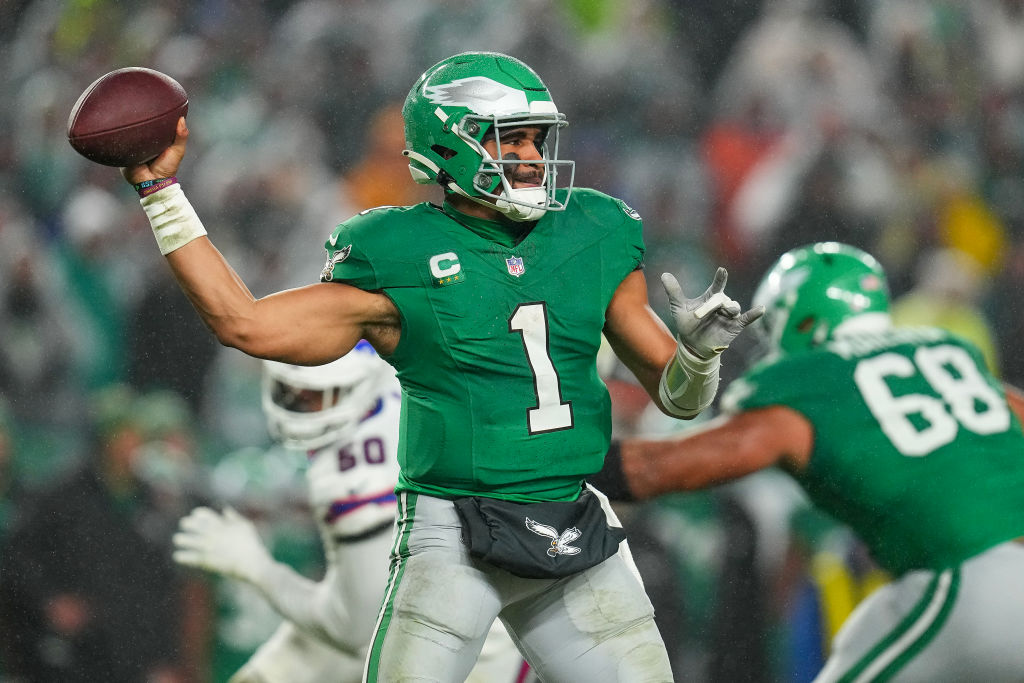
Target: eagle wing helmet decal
(479,93)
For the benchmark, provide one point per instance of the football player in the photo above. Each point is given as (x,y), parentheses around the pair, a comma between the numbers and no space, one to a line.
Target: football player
(344,416)
(491,305)
(900,433)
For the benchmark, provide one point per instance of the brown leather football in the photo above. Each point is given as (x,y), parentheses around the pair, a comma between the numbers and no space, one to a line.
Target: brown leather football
(127,116)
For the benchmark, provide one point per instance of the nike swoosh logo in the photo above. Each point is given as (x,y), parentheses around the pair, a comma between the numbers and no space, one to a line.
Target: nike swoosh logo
(334,240)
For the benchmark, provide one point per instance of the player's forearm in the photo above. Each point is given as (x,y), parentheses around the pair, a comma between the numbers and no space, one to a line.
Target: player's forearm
(654,467)
(718,451)
(309,325)
(688,384)
(311,606)
(217,293)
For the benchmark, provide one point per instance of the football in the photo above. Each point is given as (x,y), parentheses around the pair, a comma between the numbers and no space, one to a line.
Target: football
(127,116)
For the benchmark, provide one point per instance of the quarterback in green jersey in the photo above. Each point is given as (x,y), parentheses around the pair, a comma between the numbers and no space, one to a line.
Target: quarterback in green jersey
(491,306)
(900,433)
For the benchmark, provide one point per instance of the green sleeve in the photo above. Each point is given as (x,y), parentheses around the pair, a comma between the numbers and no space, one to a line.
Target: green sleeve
(378,248)
(782,381)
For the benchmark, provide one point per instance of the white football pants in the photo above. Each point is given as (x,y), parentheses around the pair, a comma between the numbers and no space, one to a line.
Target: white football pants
(594,626)
(965,623)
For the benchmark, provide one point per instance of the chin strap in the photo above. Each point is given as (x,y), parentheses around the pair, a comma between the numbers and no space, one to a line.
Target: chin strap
(523,204)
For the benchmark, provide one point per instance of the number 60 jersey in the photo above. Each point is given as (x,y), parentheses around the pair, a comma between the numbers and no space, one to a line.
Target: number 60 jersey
(915,447)
(499,341)
(352,479)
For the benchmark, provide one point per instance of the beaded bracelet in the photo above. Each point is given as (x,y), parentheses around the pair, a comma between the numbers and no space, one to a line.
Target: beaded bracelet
(148,187)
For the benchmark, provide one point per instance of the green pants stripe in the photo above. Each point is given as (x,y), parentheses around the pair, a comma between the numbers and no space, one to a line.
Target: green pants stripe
(911,635)
(399,555)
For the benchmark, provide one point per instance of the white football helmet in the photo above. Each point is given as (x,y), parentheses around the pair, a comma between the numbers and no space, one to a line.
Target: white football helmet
(308,407)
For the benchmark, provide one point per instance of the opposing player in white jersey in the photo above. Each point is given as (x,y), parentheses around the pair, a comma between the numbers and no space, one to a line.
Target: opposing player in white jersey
(345,416)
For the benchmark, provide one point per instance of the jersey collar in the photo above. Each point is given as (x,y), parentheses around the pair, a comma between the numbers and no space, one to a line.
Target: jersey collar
(506,233)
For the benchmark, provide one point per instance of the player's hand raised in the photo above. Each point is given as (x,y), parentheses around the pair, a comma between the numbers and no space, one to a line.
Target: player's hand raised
(165,165)
(707,324)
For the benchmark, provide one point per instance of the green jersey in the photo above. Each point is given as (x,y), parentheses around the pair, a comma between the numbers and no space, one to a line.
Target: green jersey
(497,358)
(915,447)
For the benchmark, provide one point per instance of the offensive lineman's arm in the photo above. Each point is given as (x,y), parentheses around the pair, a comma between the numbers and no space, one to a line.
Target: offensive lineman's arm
(228,544)
(724,449)
(308,325)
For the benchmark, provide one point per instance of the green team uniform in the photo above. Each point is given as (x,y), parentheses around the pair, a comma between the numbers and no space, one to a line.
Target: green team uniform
(497,357)
(910,431)
(500,397)
(917,450)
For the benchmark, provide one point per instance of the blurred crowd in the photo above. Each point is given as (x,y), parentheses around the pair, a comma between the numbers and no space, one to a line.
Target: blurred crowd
(737,128)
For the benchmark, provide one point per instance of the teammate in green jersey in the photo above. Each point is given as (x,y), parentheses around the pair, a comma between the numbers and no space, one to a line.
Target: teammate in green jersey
(491,307)
(902,434)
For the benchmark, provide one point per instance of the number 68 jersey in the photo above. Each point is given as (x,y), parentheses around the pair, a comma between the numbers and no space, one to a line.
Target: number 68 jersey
(499,340)
(352,480)
(915,446)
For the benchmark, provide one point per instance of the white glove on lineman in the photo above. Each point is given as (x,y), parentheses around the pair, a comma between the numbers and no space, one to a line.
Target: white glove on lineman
(705,326)
(225,544)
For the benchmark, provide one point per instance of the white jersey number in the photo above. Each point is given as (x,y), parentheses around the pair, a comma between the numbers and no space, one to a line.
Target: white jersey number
(551,413)
(917,424)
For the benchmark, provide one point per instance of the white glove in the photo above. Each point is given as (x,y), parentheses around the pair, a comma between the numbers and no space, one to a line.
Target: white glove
(248,674)
(706,325)
(225,544)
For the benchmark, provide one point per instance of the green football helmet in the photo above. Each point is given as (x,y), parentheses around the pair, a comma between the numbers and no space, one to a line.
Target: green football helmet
(816,292)
(463,100)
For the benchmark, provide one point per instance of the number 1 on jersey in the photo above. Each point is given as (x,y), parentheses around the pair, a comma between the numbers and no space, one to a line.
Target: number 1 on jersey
(551,414)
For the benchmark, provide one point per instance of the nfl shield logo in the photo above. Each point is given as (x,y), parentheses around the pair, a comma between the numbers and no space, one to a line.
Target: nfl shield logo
(515,266)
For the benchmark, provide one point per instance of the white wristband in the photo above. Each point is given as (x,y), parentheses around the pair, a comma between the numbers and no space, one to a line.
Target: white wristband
(688,383)
(174,221)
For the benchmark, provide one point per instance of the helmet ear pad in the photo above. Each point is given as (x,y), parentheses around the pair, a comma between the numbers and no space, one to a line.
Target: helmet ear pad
(455,159)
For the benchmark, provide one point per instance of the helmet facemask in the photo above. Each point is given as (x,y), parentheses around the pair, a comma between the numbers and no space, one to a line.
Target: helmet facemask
(494,179)
(309,407)
(468,99)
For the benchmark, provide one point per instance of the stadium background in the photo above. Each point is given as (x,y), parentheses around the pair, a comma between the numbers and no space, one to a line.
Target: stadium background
(737,128)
